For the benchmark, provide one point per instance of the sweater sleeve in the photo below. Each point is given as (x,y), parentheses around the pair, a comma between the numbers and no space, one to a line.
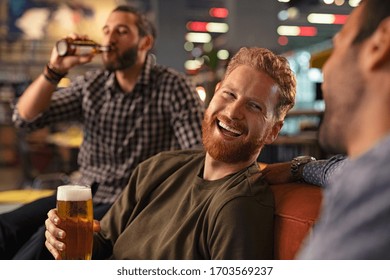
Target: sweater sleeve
(116,219)
(243,230)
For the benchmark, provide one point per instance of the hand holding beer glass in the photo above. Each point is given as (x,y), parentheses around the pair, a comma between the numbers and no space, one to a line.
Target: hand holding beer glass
(74,208)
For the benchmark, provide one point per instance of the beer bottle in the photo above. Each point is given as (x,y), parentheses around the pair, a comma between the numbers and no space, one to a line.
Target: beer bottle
(70,46)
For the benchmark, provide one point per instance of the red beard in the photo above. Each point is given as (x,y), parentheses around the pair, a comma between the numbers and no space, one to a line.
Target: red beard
(240,150)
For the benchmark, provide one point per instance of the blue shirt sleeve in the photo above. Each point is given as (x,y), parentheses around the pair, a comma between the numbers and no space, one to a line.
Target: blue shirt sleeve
(321,172)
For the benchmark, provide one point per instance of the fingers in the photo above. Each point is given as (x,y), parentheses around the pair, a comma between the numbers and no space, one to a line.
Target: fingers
(53,250)
(52,214)
(96,226)
(82,59)
(65,63)
(51,227)
(53,234)
(76,36)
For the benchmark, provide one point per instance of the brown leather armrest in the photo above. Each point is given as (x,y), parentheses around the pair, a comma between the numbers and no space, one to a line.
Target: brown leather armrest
(297,206)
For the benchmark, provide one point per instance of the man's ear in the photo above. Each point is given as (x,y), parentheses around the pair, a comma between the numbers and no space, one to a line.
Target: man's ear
(217,86)
(146,43)
(274,132)
(376,50)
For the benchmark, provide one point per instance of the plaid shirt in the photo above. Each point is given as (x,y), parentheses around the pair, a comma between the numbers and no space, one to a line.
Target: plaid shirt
(163,112)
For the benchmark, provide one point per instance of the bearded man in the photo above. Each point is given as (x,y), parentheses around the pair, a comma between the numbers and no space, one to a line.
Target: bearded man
(204,204)
(130,110)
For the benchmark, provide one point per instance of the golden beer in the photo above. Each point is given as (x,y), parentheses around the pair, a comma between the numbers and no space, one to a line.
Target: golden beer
(74,207)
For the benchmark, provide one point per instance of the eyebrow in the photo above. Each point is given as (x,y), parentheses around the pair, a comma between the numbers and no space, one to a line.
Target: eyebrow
(229,86)
(232,88)
(116,26)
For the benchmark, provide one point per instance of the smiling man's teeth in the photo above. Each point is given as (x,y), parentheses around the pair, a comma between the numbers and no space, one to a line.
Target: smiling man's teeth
(228,128)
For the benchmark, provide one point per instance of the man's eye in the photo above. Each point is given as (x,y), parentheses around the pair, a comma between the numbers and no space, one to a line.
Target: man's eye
(122,31)
(229,94)
(255,106)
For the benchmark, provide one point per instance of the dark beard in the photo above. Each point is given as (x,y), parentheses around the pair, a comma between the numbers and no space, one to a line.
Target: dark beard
(226,151)
(126,60)
(332,136)
(341,121)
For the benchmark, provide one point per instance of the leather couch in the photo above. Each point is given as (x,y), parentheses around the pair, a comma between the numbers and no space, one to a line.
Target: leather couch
(297,206)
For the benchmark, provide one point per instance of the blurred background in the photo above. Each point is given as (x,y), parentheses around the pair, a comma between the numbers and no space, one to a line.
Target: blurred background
(196,37)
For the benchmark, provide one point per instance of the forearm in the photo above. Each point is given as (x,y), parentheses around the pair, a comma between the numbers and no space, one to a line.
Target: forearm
(35,99)
(278,173)
(317,172)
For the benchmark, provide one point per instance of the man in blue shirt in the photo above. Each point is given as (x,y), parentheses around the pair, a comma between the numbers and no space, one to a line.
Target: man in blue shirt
(355,218)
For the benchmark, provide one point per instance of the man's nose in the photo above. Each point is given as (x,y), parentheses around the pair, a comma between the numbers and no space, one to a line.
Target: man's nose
(235,111)
(109,38)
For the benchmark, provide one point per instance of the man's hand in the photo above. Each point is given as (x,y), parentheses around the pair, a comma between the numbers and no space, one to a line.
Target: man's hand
(64,63)
(55,235)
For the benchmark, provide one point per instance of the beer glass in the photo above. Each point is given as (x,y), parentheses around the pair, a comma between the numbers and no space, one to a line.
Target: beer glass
(74,207)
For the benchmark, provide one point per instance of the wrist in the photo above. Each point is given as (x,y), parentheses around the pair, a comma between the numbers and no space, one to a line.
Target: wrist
(297,165)
(52,74)
(56,69)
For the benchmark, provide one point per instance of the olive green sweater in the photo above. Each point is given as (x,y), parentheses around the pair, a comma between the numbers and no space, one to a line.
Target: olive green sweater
(167,211)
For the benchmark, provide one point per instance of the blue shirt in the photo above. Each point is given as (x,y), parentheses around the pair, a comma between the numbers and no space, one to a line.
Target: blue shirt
(355,218)
(321,172)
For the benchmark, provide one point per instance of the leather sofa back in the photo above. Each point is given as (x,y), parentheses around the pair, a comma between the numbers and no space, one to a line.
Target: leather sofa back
(297,206)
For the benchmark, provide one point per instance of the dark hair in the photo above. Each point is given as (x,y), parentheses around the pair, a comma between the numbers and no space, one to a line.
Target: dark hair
(374,11)
(144,25)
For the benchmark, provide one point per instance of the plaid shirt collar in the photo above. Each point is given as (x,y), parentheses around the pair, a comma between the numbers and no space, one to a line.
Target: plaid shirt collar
(111,85)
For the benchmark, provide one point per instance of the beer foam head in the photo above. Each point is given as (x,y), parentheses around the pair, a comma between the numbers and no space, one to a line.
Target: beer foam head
(73,193)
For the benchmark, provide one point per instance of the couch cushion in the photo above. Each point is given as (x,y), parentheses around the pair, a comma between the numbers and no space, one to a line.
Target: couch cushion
(297,207)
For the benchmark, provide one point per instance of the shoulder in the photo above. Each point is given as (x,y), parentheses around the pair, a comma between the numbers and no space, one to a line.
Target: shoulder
(171,159)
(253,185)
(98,75)
(249,187)
(368,169)
(169,75)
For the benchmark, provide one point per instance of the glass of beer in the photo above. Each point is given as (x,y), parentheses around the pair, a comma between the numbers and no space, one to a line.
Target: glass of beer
(74,207)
